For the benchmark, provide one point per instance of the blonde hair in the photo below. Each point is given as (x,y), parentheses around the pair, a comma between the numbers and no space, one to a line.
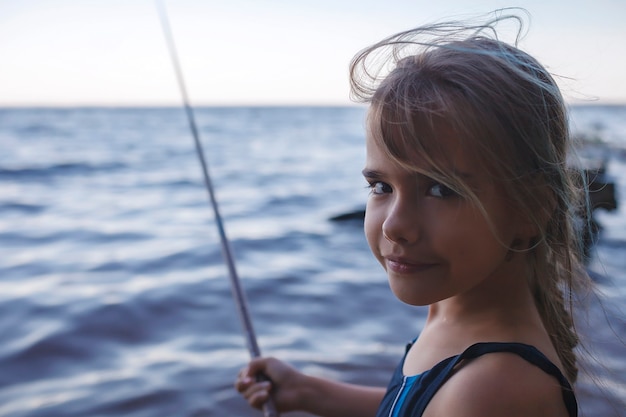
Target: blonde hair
(509,114)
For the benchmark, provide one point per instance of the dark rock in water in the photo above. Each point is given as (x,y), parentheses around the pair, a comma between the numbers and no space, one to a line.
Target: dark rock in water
(601,191)
(353,215)
(601,196)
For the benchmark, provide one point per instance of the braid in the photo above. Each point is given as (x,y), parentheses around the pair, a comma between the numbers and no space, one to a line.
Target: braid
(557,318)
(556,271)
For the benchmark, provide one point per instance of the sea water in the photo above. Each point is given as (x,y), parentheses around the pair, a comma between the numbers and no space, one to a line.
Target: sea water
(114,297)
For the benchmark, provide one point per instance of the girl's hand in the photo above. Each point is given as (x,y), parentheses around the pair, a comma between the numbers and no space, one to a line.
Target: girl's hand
(285,384)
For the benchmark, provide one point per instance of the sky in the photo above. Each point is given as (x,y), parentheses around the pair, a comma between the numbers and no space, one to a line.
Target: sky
(267,52)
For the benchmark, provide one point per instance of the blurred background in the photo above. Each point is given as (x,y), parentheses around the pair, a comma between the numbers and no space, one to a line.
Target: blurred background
(111,52)
(114,299)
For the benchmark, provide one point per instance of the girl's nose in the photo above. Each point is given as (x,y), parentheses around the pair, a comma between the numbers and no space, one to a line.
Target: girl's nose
(401,224)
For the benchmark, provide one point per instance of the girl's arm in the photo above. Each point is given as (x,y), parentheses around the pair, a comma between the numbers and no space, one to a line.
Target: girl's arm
(293,390)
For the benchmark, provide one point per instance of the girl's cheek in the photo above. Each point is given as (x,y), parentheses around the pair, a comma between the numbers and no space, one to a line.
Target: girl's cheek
(372,226)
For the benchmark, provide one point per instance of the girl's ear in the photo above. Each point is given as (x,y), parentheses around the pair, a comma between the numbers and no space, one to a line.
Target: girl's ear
(540,209)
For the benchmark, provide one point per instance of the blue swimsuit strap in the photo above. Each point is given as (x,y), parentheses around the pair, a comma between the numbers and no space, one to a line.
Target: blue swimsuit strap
(443,370)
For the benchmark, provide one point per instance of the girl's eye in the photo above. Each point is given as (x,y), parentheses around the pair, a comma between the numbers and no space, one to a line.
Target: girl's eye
(441,191)
(378,187)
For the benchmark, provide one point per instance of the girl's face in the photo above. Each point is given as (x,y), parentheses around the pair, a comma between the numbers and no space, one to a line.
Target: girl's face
(433,243)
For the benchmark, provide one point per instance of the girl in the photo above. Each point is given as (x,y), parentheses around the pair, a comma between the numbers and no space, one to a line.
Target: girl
(470,213)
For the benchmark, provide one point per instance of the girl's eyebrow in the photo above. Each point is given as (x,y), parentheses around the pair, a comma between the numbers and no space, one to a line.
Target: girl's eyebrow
(369,173)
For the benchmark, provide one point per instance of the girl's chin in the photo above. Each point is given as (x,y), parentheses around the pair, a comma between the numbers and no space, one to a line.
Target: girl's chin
(413,296)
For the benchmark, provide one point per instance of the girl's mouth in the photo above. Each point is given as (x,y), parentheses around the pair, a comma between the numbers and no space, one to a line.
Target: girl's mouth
(404,266)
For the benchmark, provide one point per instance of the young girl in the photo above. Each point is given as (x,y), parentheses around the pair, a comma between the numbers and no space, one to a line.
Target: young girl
(470,213)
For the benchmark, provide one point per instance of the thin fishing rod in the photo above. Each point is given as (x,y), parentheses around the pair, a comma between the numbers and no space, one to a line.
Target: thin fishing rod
(269,409)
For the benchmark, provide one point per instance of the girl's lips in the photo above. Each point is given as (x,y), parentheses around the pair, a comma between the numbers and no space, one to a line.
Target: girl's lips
(403,266)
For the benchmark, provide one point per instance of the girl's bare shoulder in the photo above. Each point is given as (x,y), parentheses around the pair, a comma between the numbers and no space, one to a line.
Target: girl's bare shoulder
(498,384)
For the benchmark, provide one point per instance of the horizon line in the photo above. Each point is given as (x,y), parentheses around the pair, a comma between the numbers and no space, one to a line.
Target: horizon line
(170,105)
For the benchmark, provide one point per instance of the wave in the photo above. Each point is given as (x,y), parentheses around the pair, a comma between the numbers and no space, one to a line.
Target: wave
(45,172)
(84,236)
(21,208)
(39,130)
(181,260)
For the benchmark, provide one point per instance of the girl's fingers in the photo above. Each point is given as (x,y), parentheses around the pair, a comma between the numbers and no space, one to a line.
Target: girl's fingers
(248,375)
(254,384)
(242,383)
(258,394)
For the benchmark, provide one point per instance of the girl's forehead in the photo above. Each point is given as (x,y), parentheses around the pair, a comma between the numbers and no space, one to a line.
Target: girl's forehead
(438,147)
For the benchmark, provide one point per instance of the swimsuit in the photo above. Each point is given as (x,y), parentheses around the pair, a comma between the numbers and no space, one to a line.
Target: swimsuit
(408,396)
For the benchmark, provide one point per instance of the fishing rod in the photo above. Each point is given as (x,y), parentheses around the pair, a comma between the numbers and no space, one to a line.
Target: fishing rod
(269,409)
